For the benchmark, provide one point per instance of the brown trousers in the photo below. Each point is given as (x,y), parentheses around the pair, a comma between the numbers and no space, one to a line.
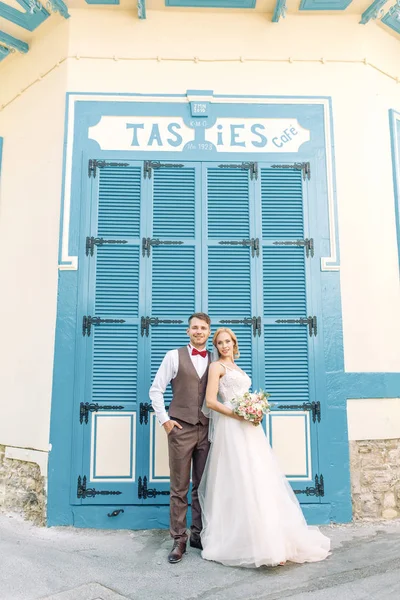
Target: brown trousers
(187,447)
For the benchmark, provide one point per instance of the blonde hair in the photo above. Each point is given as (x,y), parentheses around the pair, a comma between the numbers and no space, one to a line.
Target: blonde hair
(236,353)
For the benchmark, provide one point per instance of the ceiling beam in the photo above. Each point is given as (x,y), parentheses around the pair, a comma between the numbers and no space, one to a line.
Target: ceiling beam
(280,10)
(13,43)
(3,53)
(58,6)
(33,16)
(141,9)
(373,11)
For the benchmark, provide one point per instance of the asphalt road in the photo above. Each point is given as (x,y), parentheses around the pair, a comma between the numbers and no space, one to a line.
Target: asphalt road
(83,564)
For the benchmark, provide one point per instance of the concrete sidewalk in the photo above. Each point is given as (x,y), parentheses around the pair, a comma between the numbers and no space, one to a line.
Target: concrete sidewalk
(84,564)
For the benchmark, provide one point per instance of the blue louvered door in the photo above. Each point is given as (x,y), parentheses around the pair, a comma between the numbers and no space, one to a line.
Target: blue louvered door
(111,347)
(288,317)
(161,244)
(230,257)
(173,267)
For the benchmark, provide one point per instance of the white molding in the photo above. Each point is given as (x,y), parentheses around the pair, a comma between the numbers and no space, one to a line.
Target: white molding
(105,413)
(308,449)
(328,263)
(153,425)
(396,120)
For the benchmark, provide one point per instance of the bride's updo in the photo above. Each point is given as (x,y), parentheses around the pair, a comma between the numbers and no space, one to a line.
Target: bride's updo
(236,353)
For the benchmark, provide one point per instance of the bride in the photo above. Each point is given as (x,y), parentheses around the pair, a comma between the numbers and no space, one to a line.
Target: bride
(251,516)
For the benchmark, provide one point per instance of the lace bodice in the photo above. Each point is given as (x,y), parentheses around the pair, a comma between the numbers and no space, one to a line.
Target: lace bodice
(233,384)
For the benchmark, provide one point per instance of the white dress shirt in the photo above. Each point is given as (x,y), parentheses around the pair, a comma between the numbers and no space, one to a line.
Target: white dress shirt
(168,370)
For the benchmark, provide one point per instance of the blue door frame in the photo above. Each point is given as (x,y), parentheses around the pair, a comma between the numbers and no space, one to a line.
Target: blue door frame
(313,114)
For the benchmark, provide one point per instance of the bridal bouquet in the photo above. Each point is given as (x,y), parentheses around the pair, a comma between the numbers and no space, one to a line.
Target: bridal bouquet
(252,406)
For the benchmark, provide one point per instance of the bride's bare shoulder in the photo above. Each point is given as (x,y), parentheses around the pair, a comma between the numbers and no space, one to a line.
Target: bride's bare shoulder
(216,367)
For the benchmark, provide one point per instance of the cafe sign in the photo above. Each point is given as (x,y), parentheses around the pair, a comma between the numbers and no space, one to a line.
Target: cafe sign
(173,134)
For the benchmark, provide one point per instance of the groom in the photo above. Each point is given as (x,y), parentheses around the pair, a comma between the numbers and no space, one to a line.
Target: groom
(186,426)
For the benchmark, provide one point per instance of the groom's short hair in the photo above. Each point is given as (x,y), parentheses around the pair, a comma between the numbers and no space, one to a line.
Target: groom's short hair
(200,315)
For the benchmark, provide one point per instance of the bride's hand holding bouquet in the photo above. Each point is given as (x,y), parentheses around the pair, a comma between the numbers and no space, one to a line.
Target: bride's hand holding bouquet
(252,406)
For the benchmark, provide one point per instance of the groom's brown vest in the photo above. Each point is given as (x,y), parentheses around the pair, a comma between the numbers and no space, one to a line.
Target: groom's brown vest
(188,391)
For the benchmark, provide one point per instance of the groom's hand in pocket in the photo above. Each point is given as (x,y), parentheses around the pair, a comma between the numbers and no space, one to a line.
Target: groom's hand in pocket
(169,425)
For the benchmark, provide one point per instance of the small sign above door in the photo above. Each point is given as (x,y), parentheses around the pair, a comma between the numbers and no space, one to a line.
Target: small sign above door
(172,134)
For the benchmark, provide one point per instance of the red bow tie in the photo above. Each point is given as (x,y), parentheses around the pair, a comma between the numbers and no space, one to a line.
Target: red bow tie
(202,353)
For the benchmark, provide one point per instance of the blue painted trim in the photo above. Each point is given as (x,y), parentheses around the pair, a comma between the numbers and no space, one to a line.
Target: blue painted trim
(394,119)
(363,385)
(333,263)
(324,4)
(198,92)
(60,7)
(157,517)
(204,93)
(4,52)
(212,3)
(335,203)
(372,11)
(337,385)
(95,418)
(280,10)
(30,19)
(141,7)
(390,19)
(13,43)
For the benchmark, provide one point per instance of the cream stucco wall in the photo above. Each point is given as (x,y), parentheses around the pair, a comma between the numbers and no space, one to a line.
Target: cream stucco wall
(361,98)
(33,128)
(373,419)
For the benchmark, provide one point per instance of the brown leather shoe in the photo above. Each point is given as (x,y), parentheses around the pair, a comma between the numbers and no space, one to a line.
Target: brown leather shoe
(177,552)
(195,541)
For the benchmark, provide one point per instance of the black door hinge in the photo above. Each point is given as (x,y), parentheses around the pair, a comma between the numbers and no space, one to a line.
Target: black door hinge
(149,165)
(253,243)
(310,321)
(251,167)
(147,243)
(100,164)
(308,243)
(84,492)
(315,408)
(86,407)
(144,409)
(305,167)
(144,492)
(146,322)
(91,242)
(318,490)
(88,321)
(255,322)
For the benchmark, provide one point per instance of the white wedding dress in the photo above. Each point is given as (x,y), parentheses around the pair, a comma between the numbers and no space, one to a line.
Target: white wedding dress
(251,516)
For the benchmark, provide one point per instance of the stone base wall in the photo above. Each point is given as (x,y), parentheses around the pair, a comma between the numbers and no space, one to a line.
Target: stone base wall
(22,489)
(374,469)
(375,479)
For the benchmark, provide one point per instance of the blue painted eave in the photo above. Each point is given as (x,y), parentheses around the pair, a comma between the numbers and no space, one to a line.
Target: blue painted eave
(102,1)
(372,11)
(280,10)
(31,18)
(3,53)
(212,3)
(324,4)
(13,43)
(141,8)
(392,19)
(60,7)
